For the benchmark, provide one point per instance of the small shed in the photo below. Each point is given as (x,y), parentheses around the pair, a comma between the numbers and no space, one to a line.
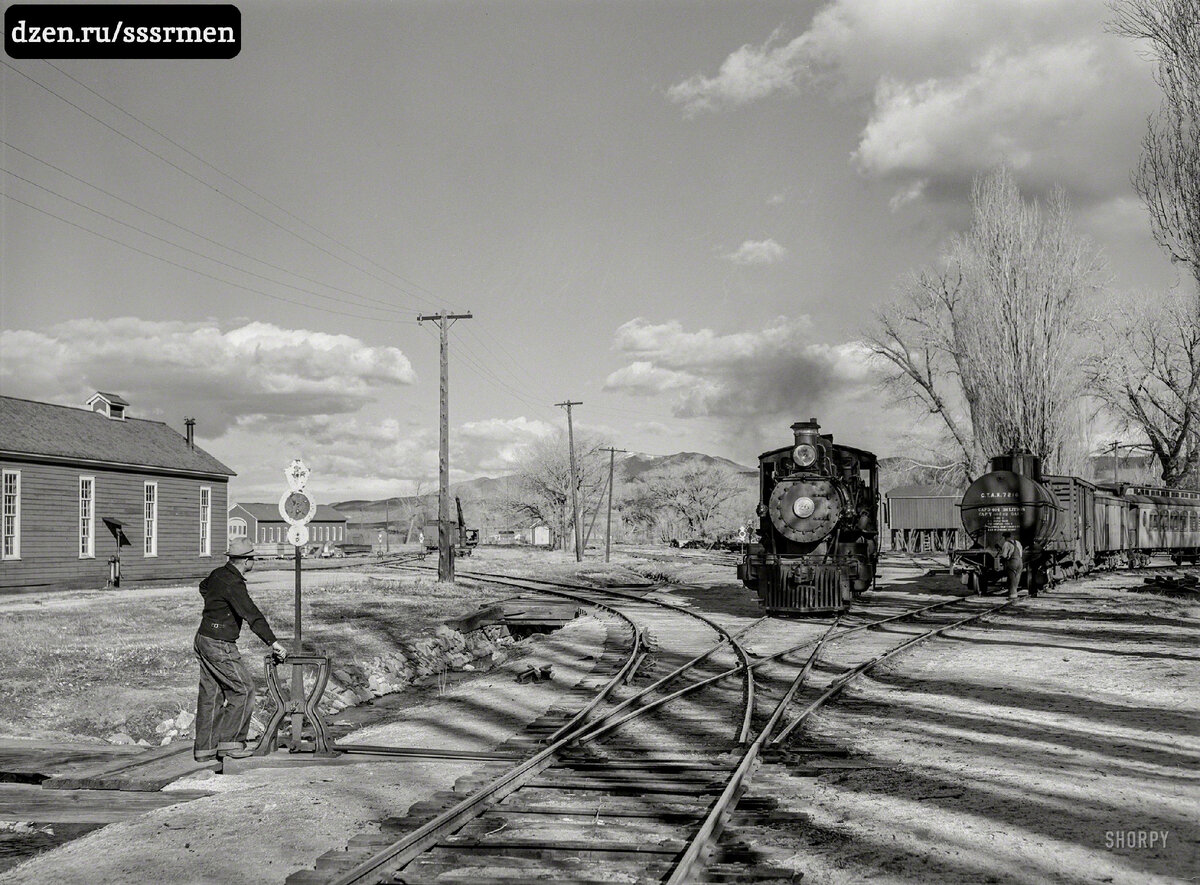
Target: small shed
(924,518)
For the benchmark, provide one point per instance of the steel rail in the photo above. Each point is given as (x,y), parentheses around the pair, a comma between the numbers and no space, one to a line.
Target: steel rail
(686,866)
(588,733)
(714,821)
(409,847)
(745,667)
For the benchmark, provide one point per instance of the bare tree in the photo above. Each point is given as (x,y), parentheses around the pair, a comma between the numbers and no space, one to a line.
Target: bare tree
(991,339)
(1168,174)
(414,509)
(1148,374)
(540,489)
(701,499)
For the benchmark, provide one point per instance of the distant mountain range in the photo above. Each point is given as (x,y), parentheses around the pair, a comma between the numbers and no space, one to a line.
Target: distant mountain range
(628,468)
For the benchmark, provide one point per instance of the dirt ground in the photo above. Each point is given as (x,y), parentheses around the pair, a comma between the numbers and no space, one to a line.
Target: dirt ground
(262,824)
(1056,743)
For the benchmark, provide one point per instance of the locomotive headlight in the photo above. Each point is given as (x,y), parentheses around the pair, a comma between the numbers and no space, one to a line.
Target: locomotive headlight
(804,455)
(804,507)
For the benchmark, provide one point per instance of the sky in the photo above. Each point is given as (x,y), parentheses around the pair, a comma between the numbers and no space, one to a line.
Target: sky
(681,214)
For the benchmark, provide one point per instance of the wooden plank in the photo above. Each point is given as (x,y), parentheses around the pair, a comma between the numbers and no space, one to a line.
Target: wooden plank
(26,802)
(32,761)
(150,771)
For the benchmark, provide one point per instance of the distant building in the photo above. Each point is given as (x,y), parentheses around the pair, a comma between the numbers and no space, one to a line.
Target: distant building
(267,530)
(81,484)
(536,536)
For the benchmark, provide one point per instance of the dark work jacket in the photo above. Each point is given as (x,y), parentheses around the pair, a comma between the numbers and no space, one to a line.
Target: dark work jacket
(227,604)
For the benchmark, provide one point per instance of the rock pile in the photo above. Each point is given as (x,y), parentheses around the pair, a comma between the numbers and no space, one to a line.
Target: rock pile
(416,660)
(361,681)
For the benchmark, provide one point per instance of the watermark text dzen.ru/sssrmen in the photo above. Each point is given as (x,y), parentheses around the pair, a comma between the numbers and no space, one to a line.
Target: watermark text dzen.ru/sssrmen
(122,31)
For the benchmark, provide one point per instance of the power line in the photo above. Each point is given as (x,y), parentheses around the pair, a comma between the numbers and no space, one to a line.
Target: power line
(386,304)
(201,181)
(265,199)
(196,270)
(179,246)
(487,374)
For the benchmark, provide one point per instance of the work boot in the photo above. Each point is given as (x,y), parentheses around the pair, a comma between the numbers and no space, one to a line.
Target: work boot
(233,750)
(204,755)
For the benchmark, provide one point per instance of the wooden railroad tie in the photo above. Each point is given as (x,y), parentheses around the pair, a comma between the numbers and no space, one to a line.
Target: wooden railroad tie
(533,673)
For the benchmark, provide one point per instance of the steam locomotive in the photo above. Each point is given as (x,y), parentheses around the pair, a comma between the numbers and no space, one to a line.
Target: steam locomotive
(1067,525)
(818,536)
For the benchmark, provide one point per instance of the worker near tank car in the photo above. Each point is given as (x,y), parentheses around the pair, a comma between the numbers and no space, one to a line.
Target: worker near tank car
(226,697)
(1012,560)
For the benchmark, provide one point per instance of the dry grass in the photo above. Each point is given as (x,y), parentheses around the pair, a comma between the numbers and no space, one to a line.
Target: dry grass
(91,664)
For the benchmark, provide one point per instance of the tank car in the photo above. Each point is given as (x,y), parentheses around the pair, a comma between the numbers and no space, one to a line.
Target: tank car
(1010,498)
(818,536)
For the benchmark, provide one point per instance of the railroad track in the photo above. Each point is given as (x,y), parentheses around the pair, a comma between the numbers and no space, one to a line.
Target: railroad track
(644,789)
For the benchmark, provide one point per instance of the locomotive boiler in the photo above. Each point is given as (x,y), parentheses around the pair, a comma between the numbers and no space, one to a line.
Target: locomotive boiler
(818,536)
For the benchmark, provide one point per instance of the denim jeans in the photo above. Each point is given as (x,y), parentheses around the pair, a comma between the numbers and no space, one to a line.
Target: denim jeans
(226,697)
(1013,571)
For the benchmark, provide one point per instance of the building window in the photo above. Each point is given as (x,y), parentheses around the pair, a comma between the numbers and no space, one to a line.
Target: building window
(237,527)
(12,515)
(87,517)
(150,520)
(205,521)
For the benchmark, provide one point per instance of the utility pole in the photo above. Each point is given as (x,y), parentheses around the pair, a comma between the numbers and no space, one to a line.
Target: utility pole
(445,542)
(612,454)
(574,483)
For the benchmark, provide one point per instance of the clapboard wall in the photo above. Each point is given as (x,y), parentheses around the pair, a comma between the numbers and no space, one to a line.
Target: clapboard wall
(50,531)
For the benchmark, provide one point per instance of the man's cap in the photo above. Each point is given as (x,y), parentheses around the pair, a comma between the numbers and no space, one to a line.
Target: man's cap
(241,548)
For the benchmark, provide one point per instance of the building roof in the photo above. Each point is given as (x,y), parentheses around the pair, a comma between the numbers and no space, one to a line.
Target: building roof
(44,429)
(270,513)
(939,490)
(115,398)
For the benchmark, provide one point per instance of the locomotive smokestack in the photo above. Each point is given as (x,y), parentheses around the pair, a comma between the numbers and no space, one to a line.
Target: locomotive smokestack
(805,430)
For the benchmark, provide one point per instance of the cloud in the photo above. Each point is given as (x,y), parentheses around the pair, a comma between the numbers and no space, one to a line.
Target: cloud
(497,445)
(955,87)
(356,456)
(748,74)
(742,390)
(743,374)
(221,377)
(757,252)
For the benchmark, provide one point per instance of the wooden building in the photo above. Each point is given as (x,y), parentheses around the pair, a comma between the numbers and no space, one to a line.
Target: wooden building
(924,518)
(267,531)
(81,484)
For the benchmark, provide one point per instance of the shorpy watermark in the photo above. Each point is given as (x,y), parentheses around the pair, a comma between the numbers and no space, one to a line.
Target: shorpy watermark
(122,31)
(1135,840)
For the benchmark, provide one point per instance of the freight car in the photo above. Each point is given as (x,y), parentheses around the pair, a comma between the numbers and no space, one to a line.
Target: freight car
(1069,526)
(464,539)
(818,535)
